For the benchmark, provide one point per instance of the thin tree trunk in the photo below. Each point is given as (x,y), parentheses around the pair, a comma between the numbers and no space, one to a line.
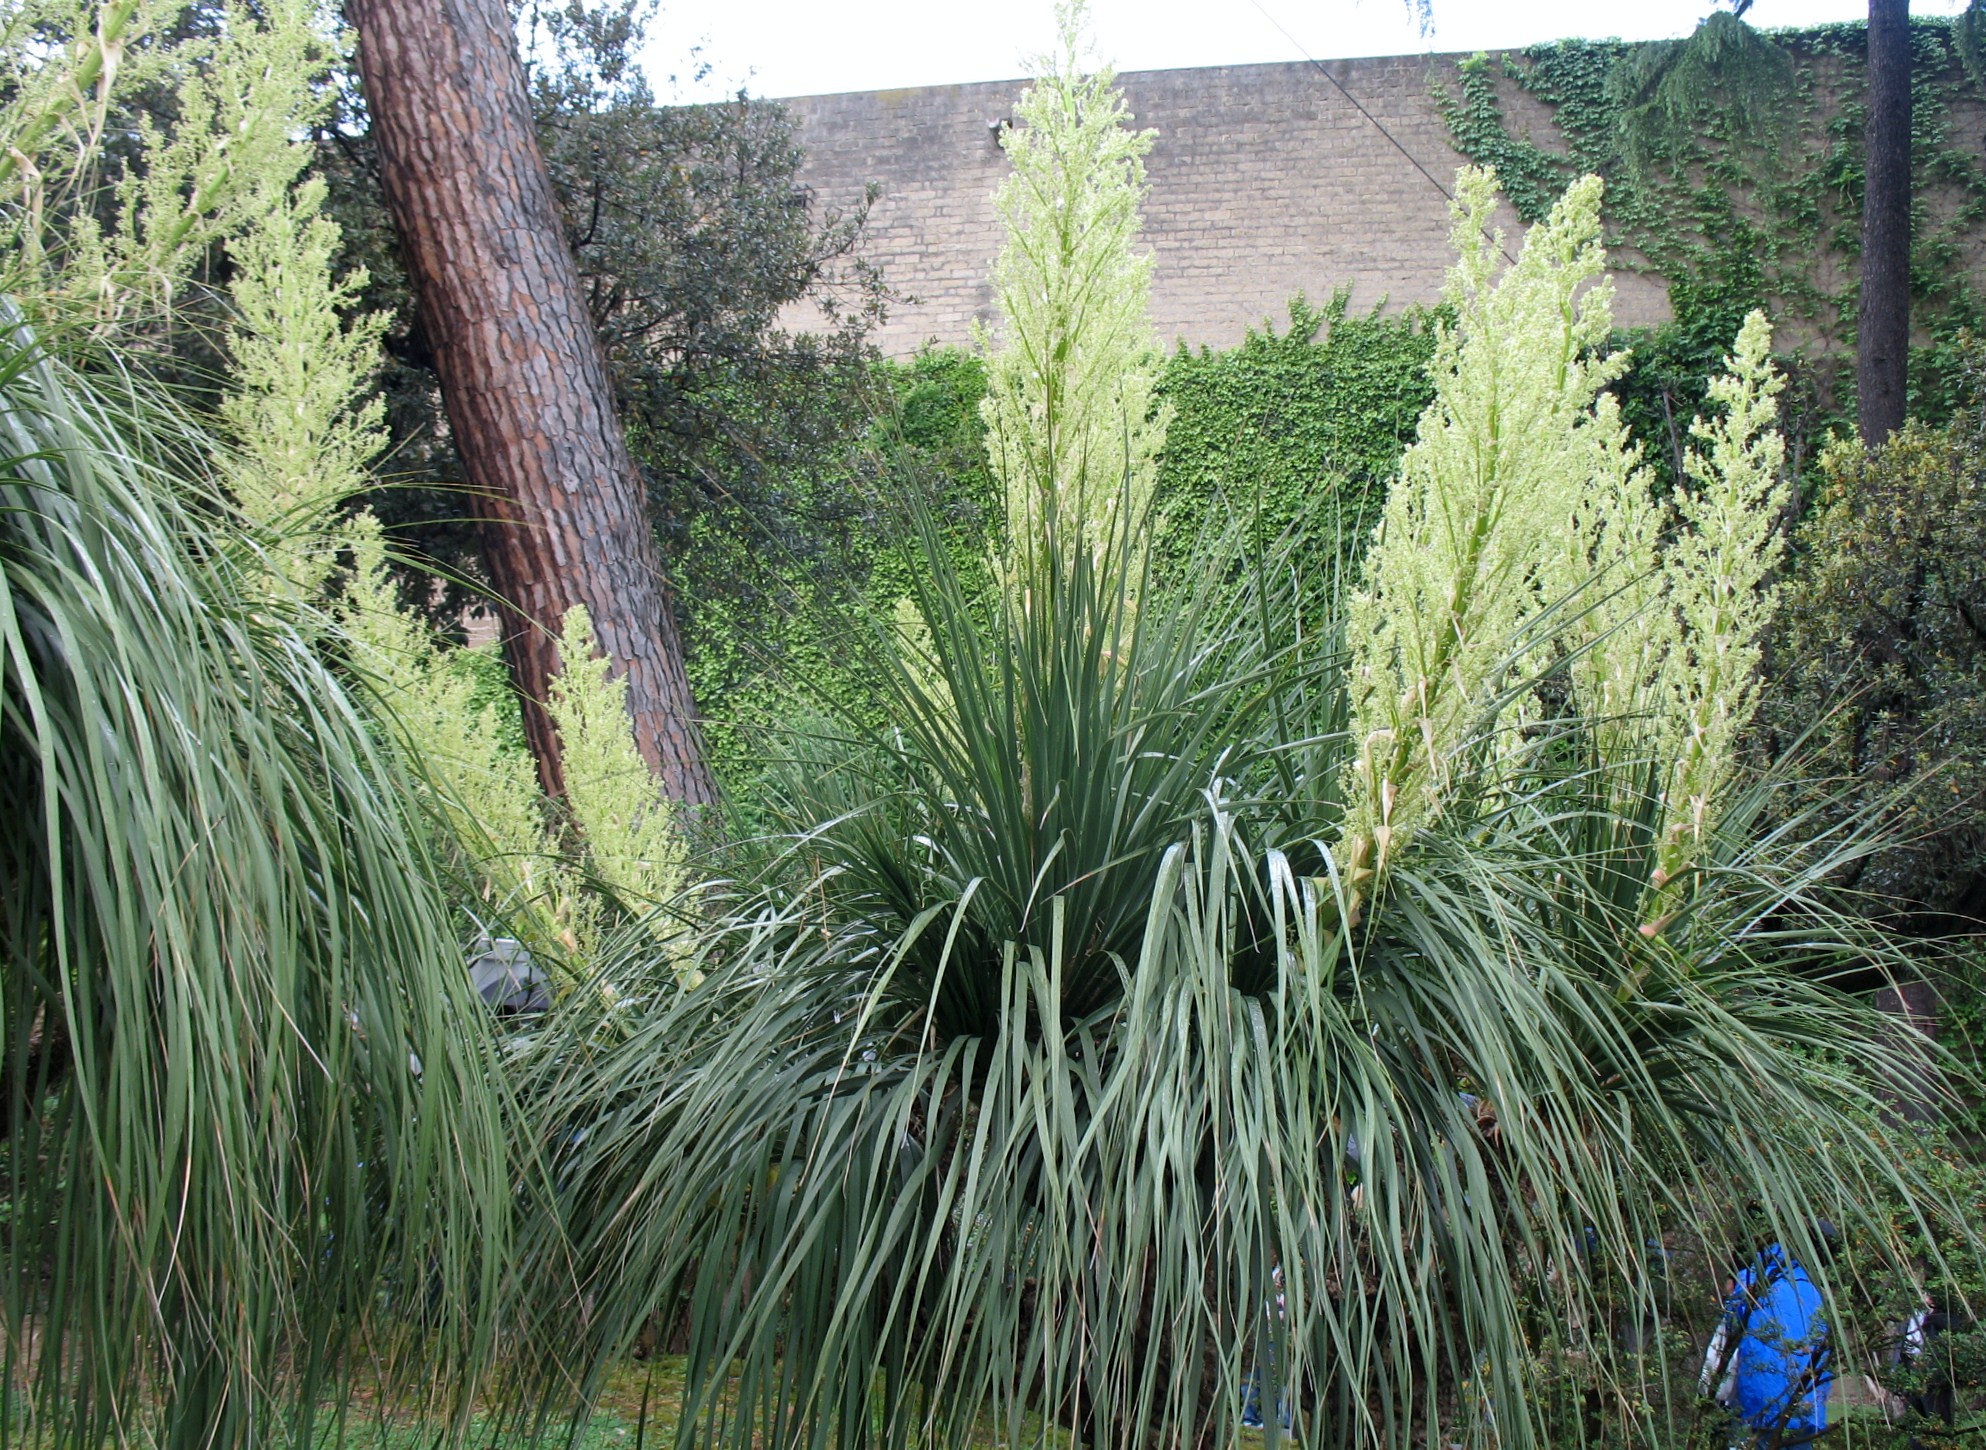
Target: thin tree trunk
(522,373)
(1882,345)
(1882,358)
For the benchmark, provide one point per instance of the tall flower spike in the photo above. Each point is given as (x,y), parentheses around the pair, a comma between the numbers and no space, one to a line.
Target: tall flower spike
(1071,427)
(301,446)
(1502,464)
(1617,630)
(1718,574)
(628,823)
(489,798)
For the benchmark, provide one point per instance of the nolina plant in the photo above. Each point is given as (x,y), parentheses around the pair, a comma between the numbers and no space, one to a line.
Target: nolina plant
(303,440)
(249,1118)
(249,1115)
(1052,1077)
(109,258)
(253,1127)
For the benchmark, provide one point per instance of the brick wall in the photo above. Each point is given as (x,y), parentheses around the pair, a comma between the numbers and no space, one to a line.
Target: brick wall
(1266,181)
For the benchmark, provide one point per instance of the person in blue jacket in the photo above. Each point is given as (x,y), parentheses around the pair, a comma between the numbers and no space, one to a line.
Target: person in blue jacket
(1782,1358)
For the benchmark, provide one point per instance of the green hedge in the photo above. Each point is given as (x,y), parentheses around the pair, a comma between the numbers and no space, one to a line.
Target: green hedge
(793,646)
(1300,429)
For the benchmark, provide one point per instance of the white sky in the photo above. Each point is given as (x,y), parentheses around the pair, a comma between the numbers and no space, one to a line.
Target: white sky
(808,47)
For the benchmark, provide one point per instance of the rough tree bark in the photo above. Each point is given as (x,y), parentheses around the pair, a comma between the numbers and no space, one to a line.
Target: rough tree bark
(1882,345)
(523,376)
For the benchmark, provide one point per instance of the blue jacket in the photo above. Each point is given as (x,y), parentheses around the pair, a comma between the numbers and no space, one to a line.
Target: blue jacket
(1784,1361)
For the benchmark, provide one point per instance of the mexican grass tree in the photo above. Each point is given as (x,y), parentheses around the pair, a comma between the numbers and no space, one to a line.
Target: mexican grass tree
(250,1131)
(1064,1076)
(248,1119)
(1524,530)
(303,439)
(103,247)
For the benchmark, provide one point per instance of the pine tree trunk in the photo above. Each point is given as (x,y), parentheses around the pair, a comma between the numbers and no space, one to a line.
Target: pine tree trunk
(1883,334)
(523,376)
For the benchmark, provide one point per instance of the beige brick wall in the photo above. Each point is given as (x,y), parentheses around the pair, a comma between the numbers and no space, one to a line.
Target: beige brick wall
(1265,182)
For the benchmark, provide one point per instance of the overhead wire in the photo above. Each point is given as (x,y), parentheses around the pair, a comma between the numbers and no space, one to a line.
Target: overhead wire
(1377,125)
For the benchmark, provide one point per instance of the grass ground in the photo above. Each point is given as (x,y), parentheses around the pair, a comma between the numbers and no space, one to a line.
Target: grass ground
(640,1405)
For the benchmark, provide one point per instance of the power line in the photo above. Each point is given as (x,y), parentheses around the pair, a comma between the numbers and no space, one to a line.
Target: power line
(1377,125)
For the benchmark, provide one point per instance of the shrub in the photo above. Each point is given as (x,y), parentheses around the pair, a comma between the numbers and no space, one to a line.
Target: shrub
(249,1116)
(1882,653)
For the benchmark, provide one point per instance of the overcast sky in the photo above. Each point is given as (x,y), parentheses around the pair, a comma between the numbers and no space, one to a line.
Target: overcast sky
(807,47)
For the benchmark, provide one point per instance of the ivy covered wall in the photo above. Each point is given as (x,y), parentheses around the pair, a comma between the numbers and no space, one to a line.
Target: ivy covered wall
(1287,423)
(1734,170)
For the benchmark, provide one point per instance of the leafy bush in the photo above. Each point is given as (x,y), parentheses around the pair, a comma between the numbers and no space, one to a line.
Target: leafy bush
(1882,652)
(1933,1384)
